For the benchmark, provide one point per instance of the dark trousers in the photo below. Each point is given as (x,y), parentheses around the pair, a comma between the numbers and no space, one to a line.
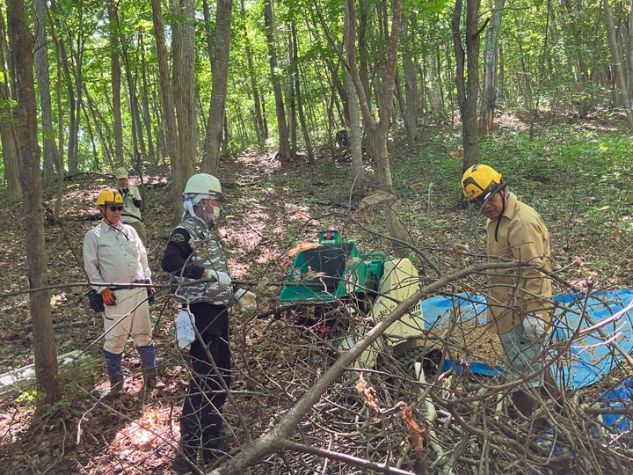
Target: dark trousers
(201,420)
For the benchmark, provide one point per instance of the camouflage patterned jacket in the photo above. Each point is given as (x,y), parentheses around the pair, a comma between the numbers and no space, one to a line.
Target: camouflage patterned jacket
(191,249)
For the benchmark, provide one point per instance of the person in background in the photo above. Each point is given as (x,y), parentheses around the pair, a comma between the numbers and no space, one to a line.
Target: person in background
(132,203)
(195,255)
(114,253)
(519,299)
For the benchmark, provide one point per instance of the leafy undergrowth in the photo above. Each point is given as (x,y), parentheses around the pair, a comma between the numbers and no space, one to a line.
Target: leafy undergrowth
(577,177)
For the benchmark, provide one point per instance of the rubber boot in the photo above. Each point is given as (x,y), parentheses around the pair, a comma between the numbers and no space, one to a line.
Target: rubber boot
(187,455)
(116,384)
(213,445)
(148,366)
(115,372)
(214,450)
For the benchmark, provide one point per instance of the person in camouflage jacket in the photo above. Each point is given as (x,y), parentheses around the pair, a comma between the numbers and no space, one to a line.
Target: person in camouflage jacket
(194,256)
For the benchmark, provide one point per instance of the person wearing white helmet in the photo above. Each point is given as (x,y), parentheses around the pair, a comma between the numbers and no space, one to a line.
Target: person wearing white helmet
(194,255)
(113,252)
(132,203)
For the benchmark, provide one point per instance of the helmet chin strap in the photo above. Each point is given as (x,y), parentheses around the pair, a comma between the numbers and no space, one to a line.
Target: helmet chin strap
(503,209)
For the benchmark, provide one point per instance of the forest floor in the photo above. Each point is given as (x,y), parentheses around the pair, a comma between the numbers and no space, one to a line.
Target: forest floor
(577,175)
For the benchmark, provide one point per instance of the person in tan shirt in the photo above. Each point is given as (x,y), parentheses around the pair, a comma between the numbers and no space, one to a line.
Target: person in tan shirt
(519,298)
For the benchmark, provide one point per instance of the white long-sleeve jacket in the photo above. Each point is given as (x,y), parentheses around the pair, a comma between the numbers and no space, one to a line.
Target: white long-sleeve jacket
(114,254)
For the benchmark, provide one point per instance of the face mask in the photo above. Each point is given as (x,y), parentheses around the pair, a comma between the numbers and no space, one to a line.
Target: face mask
(216,213)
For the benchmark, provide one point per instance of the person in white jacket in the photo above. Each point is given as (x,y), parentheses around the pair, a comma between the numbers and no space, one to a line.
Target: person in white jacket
(132,203)
(114,254)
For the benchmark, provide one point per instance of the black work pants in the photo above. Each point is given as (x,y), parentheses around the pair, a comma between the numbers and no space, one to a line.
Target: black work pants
(201,420)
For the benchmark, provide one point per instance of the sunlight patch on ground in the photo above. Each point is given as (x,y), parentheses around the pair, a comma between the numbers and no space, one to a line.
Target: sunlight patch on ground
(147,433)
(297,212)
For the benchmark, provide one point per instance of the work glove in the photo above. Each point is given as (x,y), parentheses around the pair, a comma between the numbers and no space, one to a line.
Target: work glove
(246,300)
(533,326)
(222,277)
(137,203)
(108,296)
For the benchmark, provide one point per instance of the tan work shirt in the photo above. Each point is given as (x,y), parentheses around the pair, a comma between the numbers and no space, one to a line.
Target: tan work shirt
(513,293)
(114,254)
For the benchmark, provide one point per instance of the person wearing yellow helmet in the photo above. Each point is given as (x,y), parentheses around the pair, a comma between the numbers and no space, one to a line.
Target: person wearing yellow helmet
(113,252)
(519,299)
(133,204)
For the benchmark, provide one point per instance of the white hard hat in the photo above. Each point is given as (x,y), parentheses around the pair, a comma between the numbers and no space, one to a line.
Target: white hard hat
(203,183)
(121,172)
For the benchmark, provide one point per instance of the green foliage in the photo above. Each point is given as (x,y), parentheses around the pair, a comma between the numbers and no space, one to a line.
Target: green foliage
(31,397)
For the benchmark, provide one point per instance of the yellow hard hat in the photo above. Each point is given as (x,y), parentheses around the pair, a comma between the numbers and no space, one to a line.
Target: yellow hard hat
(480,182)
(109,197)
(121,172)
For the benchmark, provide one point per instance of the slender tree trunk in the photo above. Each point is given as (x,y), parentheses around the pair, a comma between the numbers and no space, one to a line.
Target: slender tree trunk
(169,119)
(184,88)
(291,100)
(297,82)
(147,115)
(105,145)
(115,71)
(43,79)
(10,157)
(140,152)
(617,64)
(284,143)
(44,346)
(259,121)
(575,35)
(412,94)
(355,138)
(377,131)
(467,91)
(489,97)
(213,138)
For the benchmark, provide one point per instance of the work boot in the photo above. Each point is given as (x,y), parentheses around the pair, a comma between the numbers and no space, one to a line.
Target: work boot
(116,384)
(149,378)
(214,450)
(185,460)
(115,373)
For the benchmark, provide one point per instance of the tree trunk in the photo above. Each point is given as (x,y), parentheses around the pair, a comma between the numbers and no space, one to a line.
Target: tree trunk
(178,180)
(576,33)
(44,346)
(467,91)
(43,79)
(617,64)
(115,71)
(489,97)
(252,76)
(355,138)
(284,143)
(295,76)
(140,153)
(10,157)
(213,138)
(71,157)
(377,131)
(147,115)
(291,99)
(412,94)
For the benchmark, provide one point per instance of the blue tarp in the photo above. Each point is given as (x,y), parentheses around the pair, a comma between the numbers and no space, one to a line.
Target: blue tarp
(589,358)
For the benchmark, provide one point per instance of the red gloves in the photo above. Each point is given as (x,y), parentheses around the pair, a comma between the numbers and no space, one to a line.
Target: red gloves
(108,297)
